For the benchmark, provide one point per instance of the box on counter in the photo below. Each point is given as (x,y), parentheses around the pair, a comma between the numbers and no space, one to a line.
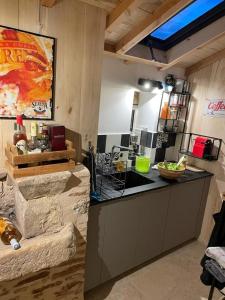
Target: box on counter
(57,137)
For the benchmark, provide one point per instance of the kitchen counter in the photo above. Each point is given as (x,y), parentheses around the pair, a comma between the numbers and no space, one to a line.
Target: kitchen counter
(145,222)
(159,182)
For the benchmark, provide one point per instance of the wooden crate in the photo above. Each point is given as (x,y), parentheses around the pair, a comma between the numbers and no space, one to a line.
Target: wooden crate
(39,163)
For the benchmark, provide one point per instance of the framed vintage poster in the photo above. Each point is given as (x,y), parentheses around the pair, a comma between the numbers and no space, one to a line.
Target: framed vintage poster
(26,74)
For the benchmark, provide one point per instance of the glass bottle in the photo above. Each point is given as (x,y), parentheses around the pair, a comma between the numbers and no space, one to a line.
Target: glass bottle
(40,130)
(44,139)
(165,112)
(10,235)
(20,137)
(32,145)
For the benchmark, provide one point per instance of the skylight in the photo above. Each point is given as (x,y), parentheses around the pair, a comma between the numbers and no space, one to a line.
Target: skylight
(186,16)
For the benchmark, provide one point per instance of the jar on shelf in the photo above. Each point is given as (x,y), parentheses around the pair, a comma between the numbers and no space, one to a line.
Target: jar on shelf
(165,112)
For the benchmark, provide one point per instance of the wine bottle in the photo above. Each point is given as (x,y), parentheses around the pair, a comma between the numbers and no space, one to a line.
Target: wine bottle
(20,137)
(10,235)
(32,144)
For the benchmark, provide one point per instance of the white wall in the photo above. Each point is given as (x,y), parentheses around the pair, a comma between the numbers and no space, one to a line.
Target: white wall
(119,81)
(148,111)
(115,108)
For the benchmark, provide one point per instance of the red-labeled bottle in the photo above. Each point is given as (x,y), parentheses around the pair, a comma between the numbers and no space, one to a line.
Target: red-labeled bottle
(20,137)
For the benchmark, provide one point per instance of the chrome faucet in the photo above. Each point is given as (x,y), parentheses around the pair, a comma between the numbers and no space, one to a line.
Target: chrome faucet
(119,147)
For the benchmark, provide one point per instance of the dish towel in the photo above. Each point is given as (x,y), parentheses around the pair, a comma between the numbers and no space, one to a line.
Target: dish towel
(218,254)
(214,268)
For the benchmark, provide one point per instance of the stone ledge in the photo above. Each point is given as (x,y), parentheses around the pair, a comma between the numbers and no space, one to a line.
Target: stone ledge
(38,253)
(34,187)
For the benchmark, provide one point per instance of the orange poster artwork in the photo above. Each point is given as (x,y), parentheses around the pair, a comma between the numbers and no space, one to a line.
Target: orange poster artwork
(26,74)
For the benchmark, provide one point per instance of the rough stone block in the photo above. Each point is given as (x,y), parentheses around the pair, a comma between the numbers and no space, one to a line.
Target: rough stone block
(34,187)
(37,216)
(50,265)
(39,253)
(81,171)
(7,198)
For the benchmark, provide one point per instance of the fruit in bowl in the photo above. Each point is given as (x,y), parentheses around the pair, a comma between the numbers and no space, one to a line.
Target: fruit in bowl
(171,170)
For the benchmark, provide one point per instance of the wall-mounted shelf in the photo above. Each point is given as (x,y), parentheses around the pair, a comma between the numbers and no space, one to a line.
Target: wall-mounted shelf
(188,143)
(177,105)
(178,93)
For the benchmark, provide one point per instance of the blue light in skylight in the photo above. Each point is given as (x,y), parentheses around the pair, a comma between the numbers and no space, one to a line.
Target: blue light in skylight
(184,18)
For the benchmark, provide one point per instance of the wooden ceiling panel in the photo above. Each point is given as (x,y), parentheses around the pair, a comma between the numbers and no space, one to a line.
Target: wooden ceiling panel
(160,15)
(205,62)
(202,53)
(132,13)
(130,18)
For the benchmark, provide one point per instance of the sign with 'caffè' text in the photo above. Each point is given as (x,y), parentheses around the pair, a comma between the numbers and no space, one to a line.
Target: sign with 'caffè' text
(215,107)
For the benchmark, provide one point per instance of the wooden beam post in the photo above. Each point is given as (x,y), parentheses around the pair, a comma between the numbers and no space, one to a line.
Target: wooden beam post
(48,3)
(115,16)
(164,12)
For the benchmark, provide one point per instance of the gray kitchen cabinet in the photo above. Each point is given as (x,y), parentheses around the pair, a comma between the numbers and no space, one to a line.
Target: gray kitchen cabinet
(120,239)
(96,232)
(151,225)
(183,211)
(205,192)
(125,233)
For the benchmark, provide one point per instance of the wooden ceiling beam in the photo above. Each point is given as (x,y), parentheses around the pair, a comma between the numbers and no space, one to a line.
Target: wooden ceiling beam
(205,62)
(48,3)
(114,18)
(164,12)
(106,5)
(109,50)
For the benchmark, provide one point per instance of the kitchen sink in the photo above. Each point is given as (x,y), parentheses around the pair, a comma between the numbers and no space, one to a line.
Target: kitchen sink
(132,179)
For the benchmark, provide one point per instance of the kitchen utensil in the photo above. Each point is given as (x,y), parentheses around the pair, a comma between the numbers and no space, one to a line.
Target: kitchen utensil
(94,194)
(181,160)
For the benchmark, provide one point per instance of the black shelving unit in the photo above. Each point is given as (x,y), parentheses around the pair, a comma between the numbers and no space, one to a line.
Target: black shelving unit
(178,103)
(187,143)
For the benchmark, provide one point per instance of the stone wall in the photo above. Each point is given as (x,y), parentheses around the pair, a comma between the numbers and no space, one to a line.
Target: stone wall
(52,213)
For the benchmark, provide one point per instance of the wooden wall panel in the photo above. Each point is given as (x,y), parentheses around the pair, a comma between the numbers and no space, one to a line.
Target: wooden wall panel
(69,60)
(29,15)
(91,85)
(79,30)
(8,17)
(209,82)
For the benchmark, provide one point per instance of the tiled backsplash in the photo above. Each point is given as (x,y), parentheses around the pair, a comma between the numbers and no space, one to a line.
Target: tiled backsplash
(148,139)
(156,144)
(106,142)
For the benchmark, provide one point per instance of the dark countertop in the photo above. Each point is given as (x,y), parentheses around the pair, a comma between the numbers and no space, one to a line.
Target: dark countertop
(158,183)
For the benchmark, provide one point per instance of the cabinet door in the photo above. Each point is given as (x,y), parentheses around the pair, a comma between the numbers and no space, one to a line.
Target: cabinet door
(153,212)
(95,237)
(183,212)
(120,237)
(203,205)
